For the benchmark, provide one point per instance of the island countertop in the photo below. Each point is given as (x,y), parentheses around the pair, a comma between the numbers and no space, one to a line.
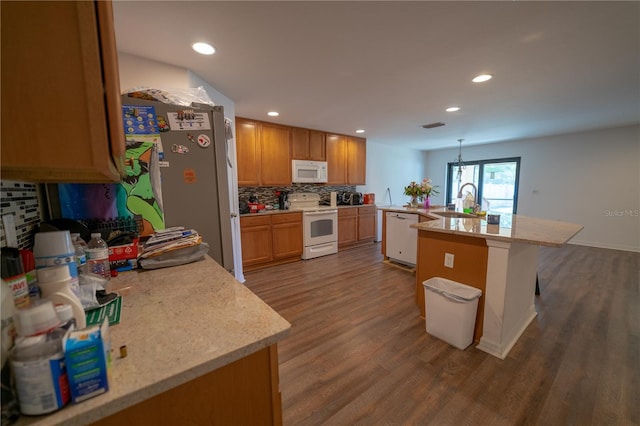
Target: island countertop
(512,228)
(178,324)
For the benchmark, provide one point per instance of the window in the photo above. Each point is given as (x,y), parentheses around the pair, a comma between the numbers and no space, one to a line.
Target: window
(496,181)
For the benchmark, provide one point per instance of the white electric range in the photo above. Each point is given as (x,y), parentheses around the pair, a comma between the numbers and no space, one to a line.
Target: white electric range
(319,224)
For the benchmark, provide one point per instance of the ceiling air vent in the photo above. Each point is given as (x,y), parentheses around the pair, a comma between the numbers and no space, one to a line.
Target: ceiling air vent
(433,125)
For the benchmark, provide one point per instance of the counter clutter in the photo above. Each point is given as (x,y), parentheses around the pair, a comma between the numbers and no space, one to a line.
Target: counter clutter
(178,324)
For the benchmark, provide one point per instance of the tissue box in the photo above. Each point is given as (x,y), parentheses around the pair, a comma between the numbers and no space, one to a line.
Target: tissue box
(87,353)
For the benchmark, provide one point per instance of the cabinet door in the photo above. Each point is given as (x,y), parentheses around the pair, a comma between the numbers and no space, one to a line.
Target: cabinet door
(299,144)
(256,244)
(347,226)
(336,150)
(356,161)
(248,152)
(316,146)
(287,240)
(61,113)
(366,223)
(275,141)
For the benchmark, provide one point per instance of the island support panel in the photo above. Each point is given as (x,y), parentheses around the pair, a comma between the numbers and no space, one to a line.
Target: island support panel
(509,300)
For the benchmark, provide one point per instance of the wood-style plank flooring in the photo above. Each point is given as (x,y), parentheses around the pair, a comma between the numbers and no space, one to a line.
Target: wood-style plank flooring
(358,352)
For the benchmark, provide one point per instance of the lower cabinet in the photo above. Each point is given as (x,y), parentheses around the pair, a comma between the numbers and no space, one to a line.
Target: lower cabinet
(356,226)
(270,239)
(245,392)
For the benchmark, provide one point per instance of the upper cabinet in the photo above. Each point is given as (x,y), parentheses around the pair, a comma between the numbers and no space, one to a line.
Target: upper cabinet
(61,110)
(264,153)
(346,158)
(307,144)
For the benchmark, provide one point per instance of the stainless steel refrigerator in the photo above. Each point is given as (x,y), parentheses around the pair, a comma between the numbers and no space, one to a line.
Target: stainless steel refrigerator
(193,167)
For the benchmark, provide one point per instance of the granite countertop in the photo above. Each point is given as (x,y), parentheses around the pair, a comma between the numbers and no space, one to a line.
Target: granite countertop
(178,323)
(512,228)
(277,211)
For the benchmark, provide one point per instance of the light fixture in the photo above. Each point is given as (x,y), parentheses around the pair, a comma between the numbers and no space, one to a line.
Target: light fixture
(203,48)
(460,163)
(360,131)
(453,109)
(273,113)
(482,78)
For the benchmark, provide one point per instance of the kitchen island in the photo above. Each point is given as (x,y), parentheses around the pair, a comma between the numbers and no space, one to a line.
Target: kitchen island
(201,349)
(501,260)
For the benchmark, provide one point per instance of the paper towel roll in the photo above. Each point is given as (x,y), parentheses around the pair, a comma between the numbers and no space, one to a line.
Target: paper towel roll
(334,198)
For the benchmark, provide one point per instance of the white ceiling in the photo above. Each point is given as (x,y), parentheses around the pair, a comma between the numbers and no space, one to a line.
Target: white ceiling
(391,67)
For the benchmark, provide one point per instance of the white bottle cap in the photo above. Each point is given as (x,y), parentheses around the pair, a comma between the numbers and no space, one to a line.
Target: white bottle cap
(37,320)
(96,235)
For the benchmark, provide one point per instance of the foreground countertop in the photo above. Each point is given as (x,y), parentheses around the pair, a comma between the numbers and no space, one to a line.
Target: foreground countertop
(177,323)
(512,228)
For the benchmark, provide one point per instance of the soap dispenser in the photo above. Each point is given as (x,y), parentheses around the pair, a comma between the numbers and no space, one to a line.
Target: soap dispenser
(469,202)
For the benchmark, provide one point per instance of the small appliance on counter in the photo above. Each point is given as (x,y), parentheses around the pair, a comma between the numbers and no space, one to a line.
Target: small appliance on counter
(283,200)
(349,198)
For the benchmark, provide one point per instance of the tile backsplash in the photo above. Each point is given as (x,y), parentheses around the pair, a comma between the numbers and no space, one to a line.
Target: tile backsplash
(22,200)
(267,194)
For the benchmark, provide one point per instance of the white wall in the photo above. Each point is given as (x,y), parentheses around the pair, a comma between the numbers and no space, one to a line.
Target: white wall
(590,178)
(393,168)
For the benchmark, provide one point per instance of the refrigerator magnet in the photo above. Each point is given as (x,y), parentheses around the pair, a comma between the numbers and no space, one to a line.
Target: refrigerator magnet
(190,136)
(189,176)
(179,149)
(204,141)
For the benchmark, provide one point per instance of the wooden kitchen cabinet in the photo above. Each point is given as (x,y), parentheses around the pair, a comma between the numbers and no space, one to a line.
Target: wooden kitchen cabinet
(356,226)
(287,235)
(307,144)
(356,161)
(366,224)
(336,150)
(61,110)
(270,239)
(264,153)
(248,152)
(347,159)
(347,227)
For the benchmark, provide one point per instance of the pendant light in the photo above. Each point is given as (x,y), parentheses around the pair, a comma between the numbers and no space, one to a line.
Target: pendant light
(460,163)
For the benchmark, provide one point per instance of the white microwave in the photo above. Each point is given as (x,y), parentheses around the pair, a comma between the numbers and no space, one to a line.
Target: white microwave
(304,171)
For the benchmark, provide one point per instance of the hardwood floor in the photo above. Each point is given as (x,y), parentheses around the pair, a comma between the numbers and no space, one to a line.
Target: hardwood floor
(358,352)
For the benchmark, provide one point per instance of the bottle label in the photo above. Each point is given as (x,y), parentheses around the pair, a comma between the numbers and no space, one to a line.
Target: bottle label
(42,385)
(20,289)
(98,262)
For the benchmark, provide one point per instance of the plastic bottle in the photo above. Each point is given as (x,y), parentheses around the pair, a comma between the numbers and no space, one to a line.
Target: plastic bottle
(13,274)
(98,256)
(81,255)
(55,285)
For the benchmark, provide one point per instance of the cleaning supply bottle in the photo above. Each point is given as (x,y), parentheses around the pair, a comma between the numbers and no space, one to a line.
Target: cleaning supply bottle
(98,256)
(469,202)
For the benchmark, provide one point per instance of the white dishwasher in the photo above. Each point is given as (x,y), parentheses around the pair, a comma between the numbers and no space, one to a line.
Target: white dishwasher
(401,240)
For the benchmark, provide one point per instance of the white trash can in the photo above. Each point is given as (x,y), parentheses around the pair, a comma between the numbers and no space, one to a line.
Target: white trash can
(450,310)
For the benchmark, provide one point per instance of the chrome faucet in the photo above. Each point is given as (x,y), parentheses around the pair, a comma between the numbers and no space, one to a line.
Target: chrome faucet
(476,206)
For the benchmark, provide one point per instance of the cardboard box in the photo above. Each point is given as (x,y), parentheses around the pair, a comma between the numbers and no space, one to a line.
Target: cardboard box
(124,252)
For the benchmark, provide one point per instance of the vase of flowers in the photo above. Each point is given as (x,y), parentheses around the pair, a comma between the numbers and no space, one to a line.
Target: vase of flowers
(420,192)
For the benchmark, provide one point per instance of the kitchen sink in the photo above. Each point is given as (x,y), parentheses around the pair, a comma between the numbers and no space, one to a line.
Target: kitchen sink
(457,214)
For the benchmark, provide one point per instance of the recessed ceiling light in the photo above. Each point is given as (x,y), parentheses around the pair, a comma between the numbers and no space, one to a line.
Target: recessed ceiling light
(482,78)
(360,131)
(453,109)
(273,113)
(203,48)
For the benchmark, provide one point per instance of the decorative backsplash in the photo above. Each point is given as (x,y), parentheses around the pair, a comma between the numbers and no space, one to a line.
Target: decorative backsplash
(267,194)
(23,201)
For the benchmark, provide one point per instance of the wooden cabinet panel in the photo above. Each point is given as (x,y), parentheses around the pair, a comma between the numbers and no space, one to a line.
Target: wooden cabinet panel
(256,243)
(336,151)
(307,144)
(317,150)
(299,144)
(366,224)
(248,152)
(61,108)
(275,142)
(270,239)
(347,226)
(356,161)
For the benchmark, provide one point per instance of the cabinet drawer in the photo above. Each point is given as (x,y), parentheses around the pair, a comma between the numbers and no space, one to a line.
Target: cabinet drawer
(255,221)
(347,211)
(366,210)
(286,218)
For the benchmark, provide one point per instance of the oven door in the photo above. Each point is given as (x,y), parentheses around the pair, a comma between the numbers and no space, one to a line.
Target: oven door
(320,227)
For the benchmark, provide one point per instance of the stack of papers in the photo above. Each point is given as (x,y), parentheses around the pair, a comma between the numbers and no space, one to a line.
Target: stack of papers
(168,240)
